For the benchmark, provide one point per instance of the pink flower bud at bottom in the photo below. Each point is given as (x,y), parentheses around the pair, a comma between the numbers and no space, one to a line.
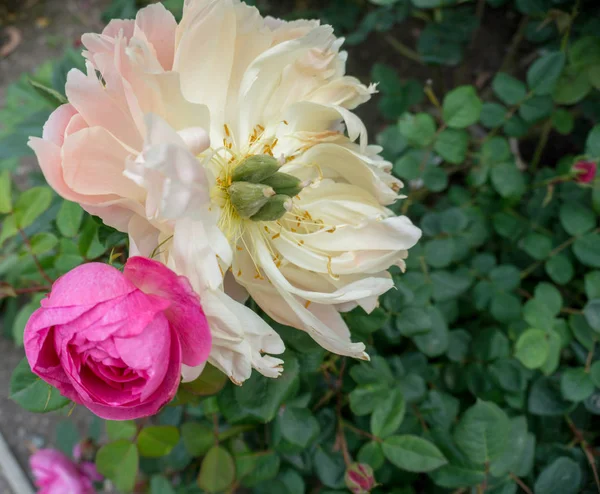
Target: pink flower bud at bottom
(585,171)
(359,478)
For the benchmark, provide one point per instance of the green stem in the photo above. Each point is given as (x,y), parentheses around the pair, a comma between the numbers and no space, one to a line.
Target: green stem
(404,50)
(541,145)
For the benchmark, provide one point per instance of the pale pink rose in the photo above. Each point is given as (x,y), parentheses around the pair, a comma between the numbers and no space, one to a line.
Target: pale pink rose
(54,473)
(115,342)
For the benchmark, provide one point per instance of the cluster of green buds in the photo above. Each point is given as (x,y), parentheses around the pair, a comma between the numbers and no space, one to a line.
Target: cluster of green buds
(259,192)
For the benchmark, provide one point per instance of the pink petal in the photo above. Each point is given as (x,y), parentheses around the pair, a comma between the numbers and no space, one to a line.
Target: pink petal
(163,395)
(93,164)
(54,128)
(89,284)
(158,26)
(185,313)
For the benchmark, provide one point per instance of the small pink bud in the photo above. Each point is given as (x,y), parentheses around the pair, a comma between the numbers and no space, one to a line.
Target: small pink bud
(359,478)
(585,171)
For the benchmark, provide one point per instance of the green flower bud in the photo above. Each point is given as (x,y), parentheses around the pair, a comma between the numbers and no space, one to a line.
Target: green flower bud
(274,209)
(255,169)
(283,183)
(248,198)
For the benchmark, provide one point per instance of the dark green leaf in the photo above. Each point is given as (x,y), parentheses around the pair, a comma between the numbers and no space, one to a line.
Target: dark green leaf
(118,461)
(217,471)
(510,90)
(388,416)
(413,453)
(157,440)
(32,393)
(562,476)
(482,433)
(545,71)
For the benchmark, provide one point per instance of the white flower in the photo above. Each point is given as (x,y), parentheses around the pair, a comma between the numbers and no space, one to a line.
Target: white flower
(222,86)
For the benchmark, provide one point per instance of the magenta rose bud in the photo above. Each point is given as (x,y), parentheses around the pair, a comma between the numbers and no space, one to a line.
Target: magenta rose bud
(54,473)
(585,170)
(115,342)
(359,478)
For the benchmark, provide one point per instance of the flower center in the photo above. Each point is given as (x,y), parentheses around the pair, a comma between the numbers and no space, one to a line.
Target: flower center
(251,187)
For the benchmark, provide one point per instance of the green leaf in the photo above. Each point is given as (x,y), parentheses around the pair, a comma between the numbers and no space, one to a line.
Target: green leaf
(157,440)
(543,74)
(298,426)
(209,383)
(572,86)
(54,98)
(329,467)
(592,144)
(408,166)
(371,453)
(563,121)
(553,360)
(493,115)
(495,150)
(413,321)
(439,252)
(23,316)
(537,245)
(517,441)
(458,345)
(508,180)
(560,269)
(587,249)
(365,398)
(5,192)
(454,220)
(536,108)
(461,107)
(254,468)
(595,373)
(435,178)
(532,348)
(591,311)
(546,399)
(388,416)
(413,453)
(505,277)
(68,219)
(160,485)
(419,129)
(197,438)
(505,307)
(592,284)
(123,429)
(260,398)
(435,342)
(550,296)
(217,471)
(32,393)
(576,384)
(447,285)
(510,374)
(452,145)
(31,204)
(562,476)
(118,461)
(576,219)
(43,242)
(510,90)
(482,433)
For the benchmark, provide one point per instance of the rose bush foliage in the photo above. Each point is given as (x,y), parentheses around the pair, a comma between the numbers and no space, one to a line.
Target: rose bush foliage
(484,372)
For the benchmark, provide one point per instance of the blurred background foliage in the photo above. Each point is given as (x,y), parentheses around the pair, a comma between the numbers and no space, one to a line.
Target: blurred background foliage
(485,369)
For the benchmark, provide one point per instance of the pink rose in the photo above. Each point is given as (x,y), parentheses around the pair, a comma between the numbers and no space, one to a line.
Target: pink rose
(359,478)
(115,342)
(54,473)
(585,170)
